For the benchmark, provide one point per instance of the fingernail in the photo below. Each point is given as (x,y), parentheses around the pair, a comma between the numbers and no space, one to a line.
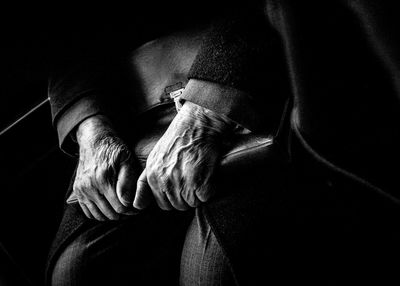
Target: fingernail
(125,203)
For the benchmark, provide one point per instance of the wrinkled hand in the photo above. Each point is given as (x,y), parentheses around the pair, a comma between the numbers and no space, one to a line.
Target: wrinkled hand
(105,180)
(179,169)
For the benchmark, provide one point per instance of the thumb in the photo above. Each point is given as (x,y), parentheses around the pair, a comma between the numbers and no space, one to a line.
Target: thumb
(143,192)
(125,184)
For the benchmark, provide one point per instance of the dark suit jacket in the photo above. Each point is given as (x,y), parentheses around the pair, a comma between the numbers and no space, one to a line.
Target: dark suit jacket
(337,60)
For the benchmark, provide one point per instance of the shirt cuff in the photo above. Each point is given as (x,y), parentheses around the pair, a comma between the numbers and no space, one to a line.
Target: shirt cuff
(233,103)
(70,120)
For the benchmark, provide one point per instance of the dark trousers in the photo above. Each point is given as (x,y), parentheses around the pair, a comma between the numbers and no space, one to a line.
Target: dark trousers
(153,248)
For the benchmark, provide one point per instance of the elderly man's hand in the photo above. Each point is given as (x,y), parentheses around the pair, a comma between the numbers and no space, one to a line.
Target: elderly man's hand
(180,167)
(105,181)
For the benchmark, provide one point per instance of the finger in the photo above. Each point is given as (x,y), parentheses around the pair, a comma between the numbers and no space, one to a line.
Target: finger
(162,201)
(176,183)
(190,197)
(94,210)
(176,201)
(85,210)
(115,203)
(204,193)
(105,207)
(126,184)
(158,193)
(188,194)
(143,194)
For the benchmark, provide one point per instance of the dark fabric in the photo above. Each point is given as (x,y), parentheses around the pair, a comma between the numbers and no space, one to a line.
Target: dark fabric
(308,224)
(140,250)
(244,52)
(71,118)
(144,250)
(203,261)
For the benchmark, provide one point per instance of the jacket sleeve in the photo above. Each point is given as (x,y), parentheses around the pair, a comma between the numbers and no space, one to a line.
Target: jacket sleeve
(242,64)
(81,87)
(238,72)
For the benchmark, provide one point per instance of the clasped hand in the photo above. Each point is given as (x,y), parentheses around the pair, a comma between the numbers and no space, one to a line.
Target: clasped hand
(105,176)
(179,169)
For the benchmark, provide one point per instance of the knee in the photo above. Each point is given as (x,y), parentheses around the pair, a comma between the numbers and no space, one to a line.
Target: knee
(203,260)
(69,267)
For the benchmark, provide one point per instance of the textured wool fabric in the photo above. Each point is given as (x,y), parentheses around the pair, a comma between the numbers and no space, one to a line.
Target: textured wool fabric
(144,256)
(143,250)
(203,261)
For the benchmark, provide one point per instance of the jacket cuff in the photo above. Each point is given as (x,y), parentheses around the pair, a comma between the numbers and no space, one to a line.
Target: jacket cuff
(71,118)
(233,103)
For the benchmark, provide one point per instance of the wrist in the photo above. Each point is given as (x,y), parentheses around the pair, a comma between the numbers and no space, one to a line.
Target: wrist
(93,129)
(207,118)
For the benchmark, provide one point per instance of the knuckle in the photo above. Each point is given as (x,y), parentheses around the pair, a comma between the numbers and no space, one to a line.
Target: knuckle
(90,185)
(151,157)
(189,196)
(151,172)
(167,186)
(78,184)
(176,173)
(152,179)
(100,177)
(155,161)
(80,193)
(81,198)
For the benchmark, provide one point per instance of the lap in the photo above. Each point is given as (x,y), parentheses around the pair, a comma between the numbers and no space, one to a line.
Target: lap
(203,260)
(150,249)
(141,250)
